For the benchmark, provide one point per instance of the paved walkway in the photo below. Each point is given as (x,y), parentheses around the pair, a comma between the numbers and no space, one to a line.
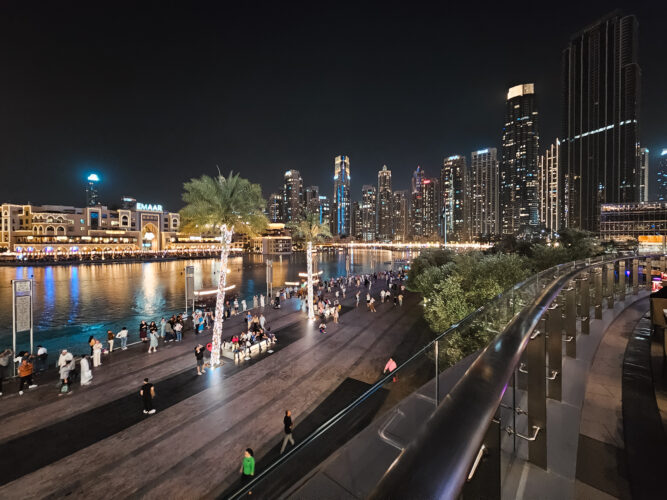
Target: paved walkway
(97,441)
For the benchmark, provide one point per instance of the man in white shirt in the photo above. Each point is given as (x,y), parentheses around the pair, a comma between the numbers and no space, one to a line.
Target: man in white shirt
(122,335)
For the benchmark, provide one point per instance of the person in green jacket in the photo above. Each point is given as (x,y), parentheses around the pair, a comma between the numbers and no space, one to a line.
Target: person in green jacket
(248,467)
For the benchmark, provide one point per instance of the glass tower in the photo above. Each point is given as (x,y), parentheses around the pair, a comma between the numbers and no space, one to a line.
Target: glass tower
(341,196)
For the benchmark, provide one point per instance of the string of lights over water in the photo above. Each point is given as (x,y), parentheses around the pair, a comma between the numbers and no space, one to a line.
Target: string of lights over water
(72,302)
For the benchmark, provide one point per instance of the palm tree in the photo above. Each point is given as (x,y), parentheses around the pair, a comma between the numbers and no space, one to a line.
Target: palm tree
(224,204)
(310,229)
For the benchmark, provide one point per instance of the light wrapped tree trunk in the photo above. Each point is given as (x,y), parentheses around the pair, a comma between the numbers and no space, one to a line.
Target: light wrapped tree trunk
(216,343)
(309,259)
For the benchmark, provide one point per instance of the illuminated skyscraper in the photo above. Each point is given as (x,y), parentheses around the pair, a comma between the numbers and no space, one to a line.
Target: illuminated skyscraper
(292,196)
(384,205)
(661,176)
(549,189)
(274,207)
(644,173)
(341,196)
(324,210)
(601,87)
(519,205)
(400,215)
(356,223)
(483,194)
(453,202)
(92,197)
(416,219)
(368,214)
(312,199)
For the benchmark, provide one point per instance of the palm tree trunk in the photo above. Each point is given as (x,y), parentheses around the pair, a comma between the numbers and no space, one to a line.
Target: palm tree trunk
(309,259)
(216,343)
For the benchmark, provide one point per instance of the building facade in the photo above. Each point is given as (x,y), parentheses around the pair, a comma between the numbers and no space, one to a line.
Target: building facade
(274,208)
(454,209)
(384,205)
(312,199)
(601,89)
(57,229)
(484,193)
(661,177)
(292,196)
(92,195)
(341,197)
(519,203)
(368,212)
(549,189)
(400,216)
(644,175)
(356,223)
(324,211)
(646,222)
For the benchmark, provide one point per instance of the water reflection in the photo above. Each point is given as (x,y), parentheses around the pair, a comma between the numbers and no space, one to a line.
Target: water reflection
(73,302)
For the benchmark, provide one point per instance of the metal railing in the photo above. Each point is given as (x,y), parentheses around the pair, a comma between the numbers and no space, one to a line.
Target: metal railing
(467,411)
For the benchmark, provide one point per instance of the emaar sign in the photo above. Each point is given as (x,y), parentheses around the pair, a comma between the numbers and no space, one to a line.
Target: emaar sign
(148,207)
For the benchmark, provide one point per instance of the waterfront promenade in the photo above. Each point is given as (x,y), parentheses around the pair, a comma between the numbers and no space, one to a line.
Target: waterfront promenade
(97,440)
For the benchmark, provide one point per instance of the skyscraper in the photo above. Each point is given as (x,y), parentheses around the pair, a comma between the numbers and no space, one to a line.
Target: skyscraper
(484,193)
(274,207)
(599,154)
(384,202)
(644,173)
(356,229)
(453,198)
(518,169)
(400,215)
(311,199)
(416,219)
(549,189)
(430,206)
(661,177)
(368,214)
(292,196)
(324,210)
(341,196)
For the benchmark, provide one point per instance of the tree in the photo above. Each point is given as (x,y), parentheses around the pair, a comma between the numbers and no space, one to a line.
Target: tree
(224,204)
(310,229)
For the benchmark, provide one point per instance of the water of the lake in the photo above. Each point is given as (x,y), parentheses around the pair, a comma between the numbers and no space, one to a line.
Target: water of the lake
(73,302)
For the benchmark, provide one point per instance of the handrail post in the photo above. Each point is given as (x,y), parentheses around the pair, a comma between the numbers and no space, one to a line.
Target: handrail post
(610,285)
(537,397)
(484,479)
(597,280)
(554,329)
(621,280)
(635,276)
(648,273)
(437,374)
(584,304)
(570,315)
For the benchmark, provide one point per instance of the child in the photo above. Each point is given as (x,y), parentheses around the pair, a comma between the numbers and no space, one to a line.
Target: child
(323,327)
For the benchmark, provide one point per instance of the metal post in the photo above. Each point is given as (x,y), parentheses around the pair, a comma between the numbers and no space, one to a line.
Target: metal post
(584,305)
(269,280)
(570,313)
(648,273)
(537,401)
(554,331)
(621,280)
(597,283)
(484,478)
(437,375)
(635,276)
(610,285)
(189,287)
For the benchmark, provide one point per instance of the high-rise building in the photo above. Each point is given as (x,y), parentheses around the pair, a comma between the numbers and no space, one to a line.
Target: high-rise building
(484,193)
(400,215)
(661,177)
(644,173)
(549,189)
(341,196)
(416,224)
(384,205)
(453,203)
(599,154)
(274,207)
(356,229)
(368,212)
(92,197)
(292,196)
(519,204)
(324,210)
(311,199)
(431,196)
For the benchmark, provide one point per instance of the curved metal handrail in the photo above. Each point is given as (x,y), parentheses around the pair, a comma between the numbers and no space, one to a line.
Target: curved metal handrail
(427,348)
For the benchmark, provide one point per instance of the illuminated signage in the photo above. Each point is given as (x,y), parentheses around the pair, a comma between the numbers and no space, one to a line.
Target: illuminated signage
(94,178)
(482,151)
(148,207)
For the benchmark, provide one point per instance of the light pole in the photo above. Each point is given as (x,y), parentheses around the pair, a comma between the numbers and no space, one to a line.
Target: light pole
(269,279)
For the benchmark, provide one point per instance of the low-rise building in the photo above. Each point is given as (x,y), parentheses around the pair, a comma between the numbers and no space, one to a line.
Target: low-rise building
(645,222)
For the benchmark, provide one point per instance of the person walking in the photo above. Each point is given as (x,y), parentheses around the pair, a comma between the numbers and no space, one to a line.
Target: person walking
(390,367)
(287,422)
(122,336)
(178,328)
(371,305)
(25,374)
(5,357)
(262,300)
(400,299)
(42,356)
(199,356)
(244,305)
(147,393)
(143,331)
(254,302)
(97,354)
(110,338)
(335,314)
(262,321)
(65,365)
(152,347)
(86,373)
(357,297)
(248,467)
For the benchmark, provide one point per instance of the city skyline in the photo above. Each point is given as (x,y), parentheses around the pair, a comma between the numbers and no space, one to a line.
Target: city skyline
(134,113)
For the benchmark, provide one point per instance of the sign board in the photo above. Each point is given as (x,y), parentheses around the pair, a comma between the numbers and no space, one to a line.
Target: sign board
(21,310)
(149,207)
(189,286)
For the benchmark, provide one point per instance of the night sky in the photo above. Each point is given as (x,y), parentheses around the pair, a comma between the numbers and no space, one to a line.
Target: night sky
(149,94)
